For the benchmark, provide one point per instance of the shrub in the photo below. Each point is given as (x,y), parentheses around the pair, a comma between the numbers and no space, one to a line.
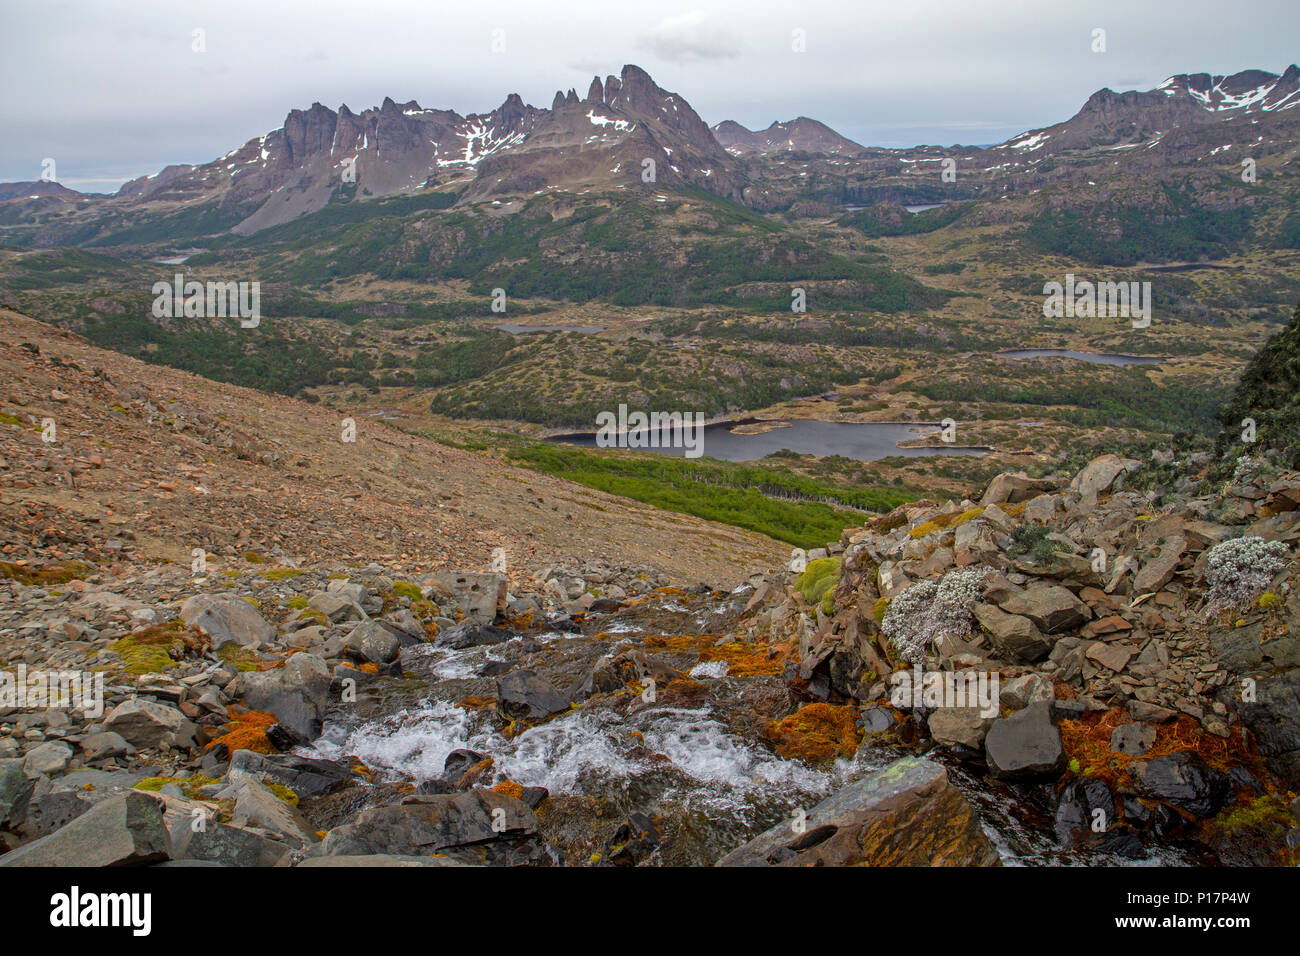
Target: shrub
(1238,571)
(928,610)
(818,579)
(1033,540)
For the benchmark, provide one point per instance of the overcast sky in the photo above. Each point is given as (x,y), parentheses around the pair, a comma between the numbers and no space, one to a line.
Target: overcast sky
(115,90)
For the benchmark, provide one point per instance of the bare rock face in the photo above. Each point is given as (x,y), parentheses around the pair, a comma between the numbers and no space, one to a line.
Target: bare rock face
(907,814)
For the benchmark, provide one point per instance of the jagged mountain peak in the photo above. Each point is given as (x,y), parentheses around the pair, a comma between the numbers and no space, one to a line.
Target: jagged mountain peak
(800,134)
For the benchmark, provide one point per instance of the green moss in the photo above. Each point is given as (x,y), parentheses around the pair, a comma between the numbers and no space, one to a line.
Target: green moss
(818,579)
(190,786)
(318,616)
(284,793)
(1268,599)
(139,657)
(240,658)
(297,602)
(878,611)
(407,590)
(252,557)
(12,420)
(279,574)
(42,575)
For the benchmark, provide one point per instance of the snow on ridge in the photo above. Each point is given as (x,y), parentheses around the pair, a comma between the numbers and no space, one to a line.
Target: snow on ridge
(1032,143)
(602,121)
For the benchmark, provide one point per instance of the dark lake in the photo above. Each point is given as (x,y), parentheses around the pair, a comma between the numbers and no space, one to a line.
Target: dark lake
(863,441)
(1096,358)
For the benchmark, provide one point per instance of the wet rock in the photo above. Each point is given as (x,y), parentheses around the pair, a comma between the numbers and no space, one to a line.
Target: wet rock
(635,840)
(1183,780)
(305,776)
(907,814)
(470,634)
(875,720)
(480,826)
(1026,744)
(525,693)
(126,830)
(1086,809)
(226,619)
(459,761)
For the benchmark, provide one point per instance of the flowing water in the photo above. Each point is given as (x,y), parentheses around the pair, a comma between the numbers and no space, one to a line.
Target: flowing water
(693,758)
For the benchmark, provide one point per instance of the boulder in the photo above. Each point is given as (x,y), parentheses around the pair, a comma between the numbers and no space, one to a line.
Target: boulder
(15,793)
(907,814)
(335,608)
(371,641)
(48,759)
(1052,608)
(1101,475)
(1013,634)
(144,723)
(959,725)
(481,596)
(1014,487)
(307,777)
(1112,656)
(296,693)
(226,619)
(126,830)
(1026,744)
(1184,780)
(256,805)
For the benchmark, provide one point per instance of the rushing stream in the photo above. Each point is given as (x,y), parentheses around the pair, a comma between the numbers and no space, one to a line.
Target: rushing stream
(694,759)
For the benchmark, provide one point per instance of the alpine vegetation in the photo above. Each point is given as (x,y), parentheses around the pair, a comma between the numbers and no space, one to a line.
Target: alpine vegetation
(929,610)
(1238,571)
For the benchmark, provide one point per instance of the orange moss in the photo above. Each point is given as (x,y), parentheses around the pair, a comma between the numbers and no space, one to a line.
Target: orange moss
(1087,747)
(247,731)
(474,702)
(510,789)
(743,660)
(816,733)
(368,668)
